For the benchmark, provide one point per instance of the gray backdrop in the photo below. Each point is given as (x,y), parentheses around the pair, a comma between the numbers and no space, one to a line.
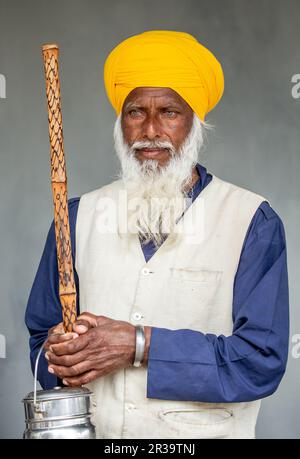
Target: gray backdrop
(255,143)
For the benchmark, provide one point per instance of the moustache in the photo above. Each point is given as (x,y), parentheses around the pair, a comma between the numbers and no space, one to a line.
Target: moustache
(156,144)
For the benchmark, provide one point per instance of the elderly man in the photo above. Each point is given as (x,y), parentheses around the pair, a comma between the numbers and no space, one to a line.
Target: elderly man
(184,303)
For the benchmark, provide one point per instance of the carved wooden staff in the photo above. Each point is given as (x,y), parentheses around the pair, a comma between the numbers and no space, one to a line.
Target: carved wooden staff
(67,288)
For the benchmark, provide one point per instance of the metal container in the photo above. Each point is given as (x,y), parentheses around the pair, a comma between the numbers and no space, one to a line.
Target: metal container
(62,412)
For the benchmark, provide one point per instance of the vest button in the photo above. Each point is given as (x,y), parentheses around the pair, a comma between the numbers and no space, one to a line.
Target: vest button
(145,271)
(136,316)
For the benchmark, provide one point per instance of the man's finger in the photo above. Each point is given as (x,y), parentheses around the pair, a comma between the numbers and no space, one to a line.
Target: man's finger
(102,320)
(95,321)
(82,379)
(59,338)
(91,319)
(108,367)
(73,371)
(66,360)
(59,328)
(72,346)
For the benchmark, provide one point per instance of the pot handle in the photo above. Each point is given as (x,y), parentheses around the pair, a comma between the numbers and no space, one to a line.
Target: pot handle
(37,365)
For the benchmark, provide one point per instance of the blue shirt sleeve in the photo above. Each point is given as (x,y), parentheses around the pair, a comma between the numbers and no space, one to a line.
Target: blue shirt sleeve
(249,364)
(43,308)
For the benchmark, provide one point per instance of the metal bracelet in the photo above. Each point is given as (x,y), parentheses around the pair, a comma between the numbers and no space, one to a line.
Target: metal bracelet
(139,345)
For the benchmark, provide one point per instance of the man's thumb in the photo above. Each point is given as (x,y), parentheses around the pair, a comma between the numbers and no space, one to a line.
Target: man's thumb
(81,326)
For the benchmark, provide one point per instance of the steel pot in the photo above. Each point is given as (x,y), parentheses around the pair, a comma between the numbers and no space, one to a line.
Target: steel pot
(62,412)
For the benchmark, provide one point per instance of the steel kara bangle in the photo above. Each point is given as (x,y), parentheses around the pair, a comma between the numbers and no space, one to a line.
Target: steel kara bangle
(139,345)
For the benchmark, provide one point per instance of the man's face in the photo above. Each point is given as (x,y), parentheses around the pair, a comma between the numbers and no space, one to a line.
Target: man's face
(153,115)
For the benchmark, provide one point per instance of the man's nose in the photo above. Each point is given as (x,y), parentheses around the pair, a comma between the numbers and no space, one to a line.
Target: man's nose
(152,129)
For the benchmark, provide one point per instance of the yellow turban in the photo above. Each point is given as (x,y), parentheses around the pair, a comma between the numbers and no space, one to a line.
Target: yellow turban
(163,58)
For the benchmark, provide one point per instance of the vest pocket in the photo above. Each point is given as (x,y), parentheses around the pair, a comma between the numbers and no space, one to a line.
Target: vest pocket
(199,422)
(193,295)
(196,274)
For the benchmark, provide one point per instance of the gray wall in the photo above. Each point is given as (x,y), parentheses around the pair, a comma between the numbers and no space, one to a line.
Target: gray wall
(255,143)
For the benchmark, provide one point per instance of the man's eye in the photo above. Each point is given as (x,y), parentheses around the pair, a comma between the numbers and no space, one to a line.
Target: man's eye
(134,112)
(170,113)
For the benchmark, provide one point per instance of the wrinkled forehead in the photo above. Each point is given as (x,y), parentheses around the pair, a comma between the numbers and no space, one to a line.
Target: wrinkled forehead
(145,96)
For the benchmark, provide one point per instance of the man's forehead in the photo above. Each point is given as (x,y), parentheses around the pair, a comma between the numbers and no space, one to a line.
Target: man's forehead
(142,94)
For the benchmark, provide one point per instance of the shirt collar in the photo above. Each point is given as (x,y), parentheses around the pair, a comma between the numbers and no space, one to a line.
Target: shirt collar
(201,182)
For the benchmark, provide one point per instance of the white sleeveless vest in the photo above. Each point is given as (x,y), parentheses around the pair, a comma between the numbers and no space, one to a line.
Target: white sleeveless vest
(185,286)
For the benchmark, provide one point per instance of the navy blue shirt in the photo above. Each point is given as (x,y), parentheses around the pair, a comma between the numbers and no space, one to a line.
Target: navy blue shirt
(188,364)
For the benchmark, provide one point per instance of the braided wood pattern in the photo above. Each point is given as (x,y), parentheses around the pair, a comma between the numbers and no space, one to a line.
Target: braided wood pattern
(67,288)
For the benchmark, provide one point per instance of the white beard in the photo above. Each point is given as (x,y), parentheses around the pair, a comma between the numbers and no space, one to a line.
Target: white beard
(157,196)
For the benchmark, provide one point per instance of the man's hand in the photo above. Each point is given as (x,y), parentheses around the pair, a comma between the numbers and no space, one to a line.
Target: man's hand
(57,335)
(104,346)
